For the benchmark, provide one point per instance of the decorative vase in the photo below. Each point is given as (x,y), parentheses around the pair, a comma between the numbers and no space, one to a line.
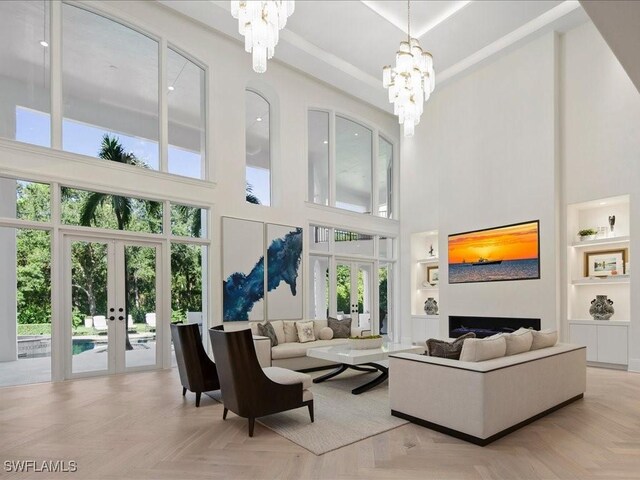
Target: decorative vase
(601,308)
(431,306)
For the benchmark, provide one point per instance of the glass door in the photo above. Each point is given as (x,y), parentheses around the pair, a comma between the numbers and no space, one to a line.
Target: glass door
(111,303)
(354,282)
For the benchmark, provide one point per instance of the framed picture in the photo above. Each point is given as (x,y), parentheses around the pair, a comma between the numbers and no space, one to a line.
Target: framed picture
(605,263)
(510,252)
(432,276)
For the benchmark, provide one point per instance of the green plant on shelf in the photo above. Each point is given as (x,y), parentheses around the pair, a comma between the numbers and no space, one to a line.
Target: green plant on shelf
(587,232)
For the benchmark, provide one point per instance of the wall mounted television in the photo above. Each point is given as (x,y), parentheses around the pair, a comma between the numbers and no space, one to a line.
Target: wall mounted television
(510,252)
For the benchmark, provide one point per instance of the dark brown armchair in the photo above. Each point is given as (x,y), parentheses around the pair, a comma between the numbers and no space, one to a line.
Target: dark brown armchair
(197,372)
(248,390)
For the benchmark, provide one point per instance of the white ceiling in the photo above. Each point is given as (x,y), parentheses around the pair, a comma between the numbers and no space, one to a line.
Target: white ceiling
(346,43)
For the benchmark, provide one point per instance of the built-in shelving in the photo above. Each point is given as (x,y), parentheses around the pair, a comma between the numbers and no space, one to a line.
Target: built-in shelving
(601,241)
(423,261)
(606,340)
(621,279)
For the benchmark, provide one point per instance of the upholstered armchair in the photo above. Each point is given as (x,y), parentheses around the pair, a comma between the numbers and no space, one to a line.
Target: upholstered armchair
(250,391)
(197,372)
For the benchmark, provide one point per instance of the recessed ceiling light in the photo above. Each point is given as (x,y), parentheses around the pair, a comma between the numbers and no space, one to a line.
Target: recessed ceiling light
(258,119)
(326,142)
(171,88)
(603,203)
(44,44)
(356,134)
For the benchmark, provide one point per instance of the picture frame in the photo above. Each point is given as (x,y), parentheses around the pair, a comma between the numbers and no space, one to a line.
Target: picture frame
(602,263)
(498,254)
(433,276)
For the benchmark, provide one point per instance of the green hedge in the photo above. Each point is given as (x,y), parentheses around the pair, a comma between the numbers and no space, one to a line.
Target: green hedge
(34,329)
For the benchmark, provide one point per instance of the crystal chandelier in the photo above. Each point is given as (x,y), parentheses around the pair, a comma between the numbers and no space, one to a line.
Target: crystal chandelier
(260,23)
(411,82)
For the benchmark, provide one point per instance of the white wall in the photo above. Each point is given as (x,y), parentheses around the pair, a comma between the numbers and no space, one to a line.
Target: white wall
(229,68)
(601,139)
(553,123)
(487,141)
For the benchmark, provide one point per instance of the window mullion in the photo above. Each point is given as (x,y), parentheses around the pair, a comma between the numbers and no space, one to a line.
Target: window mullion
(374,174)
(163,112)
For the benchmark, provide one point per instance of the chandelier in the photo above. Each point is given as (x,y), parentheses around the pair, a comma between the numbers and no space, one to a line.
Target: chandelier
(411,81)
(260,22)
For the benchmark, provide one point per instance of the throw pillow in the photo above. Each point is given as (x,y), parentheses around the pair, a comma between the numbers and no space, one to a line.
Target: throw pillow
(481,349)
(326,334)
(290,332)
(544,339)
(305,332)
(443,349)
(518,341)
(266,330)
(278,327)
(341,328)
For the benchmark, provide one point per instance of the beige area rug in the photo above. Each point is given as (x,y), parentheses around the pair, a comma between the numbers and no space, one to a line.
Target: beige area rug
(341,418)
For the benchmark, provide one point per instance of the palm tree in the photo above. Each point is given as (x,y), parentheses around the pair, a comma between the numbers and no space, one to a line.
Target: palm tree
(111,149)
(250,196)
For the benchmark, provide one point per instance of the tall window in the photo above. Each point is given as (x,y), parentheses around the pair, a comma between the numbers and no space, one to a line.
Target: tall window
(24,72)
(350,166)
(106,91)
(186,116)
(353,166)
(258,149)
(318,138)
(385,178)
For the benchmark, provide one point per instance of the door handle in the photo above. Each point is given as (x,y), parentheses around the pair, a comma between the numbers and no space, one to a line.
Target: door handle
(120,317)
(121,309)
(112,318)
(112,309)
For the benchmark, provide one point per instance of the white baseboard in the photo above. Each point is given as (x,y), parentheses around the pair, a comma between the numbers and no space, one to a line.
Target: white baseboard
(406,340)
(634,365)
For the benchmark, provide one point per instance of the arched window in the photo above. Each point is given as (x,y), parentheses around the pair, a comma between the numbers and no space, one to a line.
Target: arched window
(258,149)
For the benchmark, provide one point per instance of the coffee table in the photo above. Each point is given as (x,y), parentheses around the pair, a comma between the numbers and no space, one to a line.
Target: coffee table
(360,360)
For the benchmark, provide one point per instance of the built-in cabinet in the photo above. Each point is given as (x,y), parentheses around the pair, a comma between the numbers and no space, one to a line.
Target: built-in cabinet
(606,341)
(599,264)
(425,261)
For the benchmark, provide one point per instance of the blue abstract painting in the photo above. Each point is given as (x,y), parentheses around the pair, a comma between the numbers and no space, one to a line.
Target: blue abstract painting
(243,291)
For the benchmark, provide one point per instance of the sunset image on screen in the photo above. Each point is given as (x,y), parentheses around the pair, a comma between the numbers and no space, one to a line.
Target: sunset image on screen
(504,253)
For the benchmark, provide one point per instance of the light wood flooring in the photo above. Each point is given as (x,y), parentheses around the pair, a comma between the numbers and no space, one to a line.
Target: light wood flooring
(139,426)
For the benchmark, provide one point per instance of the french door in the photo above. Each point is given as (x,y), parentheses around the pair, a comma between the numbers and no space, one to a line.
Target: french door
(354,282)
(113,315)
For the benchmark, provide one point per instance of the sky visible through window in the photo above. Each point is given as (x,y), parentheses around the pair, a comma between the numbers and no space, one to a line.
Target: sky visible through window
(258,178)
(33,127)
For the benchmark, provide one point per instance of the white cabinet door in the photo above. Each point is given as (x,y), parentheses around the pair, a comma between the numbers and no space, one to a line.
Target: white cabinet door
(586,335)
(432,328)
(612,344)
(418,330)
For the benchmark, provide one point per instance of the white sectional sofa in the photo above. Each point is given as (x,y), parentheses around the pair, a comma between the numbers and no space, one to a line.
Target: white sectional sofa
(293,355)
(482,401)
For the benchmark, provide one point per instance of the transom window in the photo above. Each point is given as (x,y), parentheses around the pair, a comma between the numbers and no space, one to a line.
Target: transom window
(110,77)
(258,149)
(350,165)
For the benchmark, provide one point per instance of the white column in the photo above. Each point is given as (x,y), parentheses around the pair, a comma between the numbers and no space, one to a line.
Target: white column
(8,275)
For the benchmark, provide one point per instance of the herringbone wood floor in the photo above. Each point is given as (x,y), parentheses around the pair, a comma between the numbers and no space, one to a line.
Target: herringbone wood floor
(139,426)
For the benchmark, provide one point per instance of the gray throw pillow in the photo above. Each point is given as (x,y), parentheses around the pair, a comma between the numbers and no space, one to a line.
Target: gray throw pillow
(266,330)
(341,328)
(442,349)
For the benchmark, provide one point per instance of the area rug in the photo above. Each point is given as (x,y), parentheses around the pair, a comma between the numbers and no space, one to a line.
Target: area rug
(341,418)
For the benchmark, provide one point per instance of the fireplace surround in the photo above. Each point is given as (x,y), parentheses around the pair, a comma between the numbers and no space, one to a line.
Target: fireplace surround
(487,326)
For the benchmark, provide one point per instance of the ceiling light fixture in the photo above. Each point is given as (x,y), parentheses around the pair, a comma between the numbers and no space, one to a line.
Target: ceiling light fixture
(411,81)
(326,142)
(44,44)
(171,88)
(258,119)
(260,23)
